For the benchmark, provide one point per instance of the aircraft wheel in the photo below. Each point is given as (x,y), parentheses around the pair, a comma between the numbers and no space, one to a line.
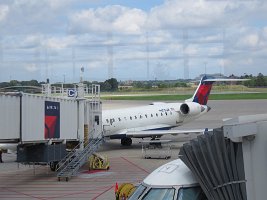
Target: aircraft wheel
(126,141)
(123,141)
(129,142)
(53,166)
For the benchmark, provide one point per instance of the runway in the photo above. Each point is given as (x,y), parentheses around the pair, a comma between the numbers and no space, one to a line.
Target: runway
(126,163)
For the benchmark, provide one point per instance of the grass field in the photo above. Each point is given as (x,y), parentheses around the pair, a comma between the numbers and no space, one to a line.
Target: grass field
(172,97)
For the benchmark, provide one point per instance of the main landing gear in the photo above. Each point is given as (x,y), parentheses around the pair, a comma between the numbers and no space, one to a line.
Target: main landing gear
(126,141)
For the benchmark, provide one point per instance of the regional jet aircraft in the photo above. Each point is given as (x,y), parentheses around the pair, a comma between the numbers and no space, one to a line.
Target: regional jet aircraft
(158,119)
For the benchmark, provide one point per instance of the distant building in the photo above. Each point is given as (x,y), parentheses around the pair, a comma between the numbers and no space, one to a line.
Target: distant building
(128,82)
(122,87)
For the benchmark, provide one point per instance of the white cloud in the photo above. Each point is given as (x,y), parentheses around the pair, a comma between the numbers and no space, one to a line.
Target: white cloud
(86,21)
(26,26)
(248,61)
(57,4)
(191,50)
(32,17)
(31,41)
(192,13)
(4,10)
(252,40)
(131,21)
(53,4)
(31,68)
(216,50)
(108,19)
(57,43)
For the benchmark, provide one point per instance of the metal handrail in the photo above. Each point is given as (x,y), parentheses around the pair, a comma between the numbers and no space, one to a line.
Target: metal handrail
(92,145)
(68,156)
(77,159)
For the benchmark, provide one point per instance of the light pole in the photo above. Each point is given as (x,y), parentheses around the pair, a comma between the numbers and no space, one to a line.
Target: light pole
(205,67)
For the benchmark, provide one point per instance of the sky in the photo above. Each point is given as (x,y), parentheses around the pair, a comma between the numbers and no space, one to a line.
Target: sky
(131,39)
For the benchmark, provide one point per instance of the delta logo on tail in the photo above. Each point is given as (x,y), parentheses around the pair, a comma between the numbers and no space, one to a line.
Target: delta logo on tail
(202,93)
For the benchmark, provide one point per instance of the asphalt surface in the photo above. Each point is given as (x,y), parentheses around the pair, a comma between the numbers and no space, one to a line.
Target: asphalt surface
(126,163)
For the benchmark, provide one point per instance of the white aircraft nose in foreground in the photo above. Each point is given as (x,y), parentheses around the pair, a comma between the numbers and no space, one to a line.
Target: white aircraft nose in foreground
(158,119)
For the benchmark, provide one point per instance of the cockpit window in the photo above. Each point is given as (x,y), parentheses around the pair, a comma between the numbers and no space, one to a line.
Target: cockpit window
(192,193)
(138,192)
(160,194)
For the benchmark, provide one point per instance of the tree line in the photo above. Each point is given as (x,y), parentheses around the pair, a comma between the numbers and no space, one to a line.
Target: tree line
(111,85)
(255,81)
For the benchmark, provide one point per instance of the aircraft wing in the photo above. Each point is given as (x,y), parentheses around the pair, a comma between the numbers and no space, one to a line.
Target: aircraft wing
(159,133)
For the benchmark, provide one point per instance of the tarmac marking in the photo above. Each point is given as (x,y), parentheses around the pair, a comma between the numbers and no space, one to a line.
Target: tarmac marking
(135,165)
(103,192)
(43,185)
(76,193)
(22,193)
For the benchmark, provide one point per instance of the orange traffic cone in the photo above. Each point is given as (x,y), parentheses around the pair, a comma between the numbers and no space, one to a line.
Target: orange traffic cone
(116,191)
(116,187)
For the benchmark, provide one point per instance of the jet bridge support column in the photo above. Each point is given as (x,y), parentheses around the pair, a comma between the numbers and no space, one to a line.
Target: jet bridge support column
(251,131)
(81,100)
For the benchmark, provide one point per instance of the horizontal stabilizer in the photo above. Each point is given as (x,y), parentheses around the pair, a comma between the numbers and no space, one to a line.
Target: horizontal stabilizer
(224,79)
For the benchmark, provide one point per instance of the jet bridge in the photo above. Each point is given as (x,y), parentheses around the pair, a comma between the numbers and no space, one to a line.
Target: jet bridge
(51,123)
(231,162)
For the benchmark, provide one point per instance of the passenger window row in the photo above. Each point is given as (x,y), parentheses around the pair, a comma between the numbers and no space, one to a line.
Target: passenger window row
(111,121)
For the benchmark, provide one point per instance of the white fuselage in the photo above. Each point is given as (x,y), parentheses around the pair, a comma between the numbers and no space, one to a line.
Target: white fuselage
(152,117)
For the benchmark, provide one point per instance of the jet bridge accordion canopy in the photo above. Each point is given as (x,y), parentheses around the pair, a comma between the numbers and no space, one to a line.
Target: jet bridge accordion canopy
(217,164)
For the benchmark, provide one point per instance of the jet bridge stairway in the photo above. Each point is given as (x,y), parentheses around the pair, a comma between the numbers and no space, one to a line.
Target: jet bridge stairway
(70,165)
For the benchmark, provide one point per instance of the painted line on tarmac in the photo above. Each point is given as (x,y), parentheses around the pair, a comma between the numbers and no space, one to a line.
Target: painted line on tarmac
(79,193)
(135,165)
(21,193)
(103,192)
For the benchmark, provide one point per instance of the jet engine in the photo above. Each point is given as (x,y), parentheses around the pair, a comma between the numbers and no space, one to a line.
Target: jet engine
(190,108)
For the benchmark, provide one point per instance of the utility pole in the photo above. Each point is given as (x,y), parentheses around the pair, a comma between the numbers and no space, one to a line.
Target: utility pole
(222,68)
(147,57)
(110,55)
(185,44)
(73,64)
(1,56)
